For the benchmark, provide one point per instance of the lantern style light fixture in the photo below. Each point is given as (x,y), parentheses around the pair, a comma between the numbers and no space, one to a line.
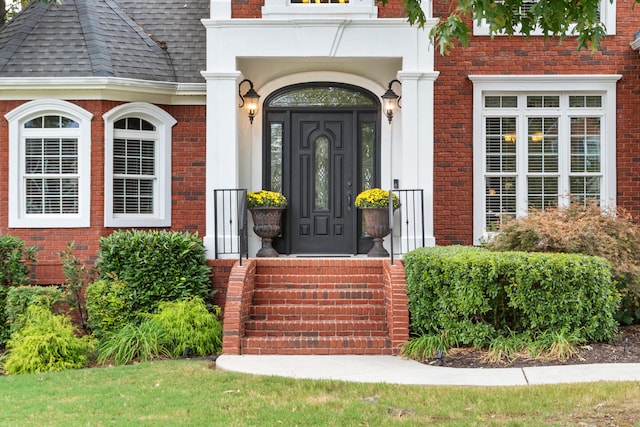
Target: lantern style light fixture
(249,99)
(390,100)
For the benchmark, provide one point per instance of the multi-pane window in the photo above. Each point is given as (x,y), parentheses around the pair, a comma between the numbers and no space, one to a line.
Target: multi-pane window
(606,14)
(137,166)
(540,151)
(49,165)
(134,166)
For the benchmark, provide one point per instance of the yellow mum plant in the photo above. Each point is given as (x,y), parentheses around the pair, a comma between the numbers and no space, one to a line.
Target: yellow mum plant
(265,198)
(376,198)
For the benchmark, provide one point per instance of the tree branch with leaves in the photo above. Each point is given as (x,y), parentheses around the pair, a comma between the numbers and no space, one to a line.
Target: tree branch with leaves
(553,18)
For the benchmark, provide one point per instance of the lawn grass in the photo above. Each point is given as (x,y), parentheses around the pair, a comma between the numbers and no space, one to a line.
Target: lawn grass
(187,392)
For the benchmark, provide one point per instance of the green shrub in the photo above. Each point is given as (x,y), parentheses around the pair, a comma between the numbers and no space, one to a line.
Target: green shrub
(21,297)
(188,323)
(586,230)
(15,258)
(473,295)
(47,342)
(155,266)
(77,276)
(109,306)
(132,342)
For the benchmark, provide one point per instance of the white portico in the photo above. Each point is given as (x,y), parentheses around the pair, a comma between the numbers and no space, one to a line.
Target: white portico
(293,44)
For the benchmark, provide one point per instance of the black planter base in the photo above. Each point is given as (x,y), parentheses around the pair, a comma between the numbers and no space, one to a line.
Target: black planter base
(377,250)
(267,249)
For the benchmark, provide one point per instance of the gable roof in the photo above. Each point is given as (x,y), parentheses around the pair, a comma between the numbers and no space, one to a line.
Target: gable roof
(107,38)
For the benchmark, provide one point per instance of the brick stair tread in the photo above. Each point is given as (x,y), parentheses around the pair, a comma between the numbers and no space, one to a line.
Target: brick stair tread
(316,345)
(317,328)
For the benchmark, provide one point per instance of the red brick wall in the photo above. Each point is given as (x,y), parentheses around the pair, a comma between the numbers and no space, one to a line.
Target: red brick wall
(188,186)
(453,127)
(253,9)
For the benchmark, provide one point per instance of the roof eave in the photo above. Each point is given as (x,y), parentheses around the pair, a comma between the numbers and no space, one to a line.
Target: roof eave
(103,88)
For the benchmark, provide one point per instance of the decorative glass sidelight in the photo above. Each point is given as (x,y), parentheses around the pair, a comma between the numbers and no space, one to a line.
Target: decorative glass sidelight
(321,188)
(276,157)
(367,155)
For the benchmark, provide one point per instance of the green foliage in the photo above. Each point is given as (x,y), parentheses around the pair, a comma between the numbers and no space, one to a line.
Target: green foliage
(77,277)
(586,230)
(109,306)
(15,258)
(19,299)
(133,342)
(474,296)
(561,18)
(155,266)
(188,323)
(427,346)
(47,342)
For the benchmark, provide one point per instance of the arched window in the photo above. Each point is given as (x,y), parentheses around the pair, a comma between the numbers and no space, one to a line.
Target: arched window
(138,166)
(49,165)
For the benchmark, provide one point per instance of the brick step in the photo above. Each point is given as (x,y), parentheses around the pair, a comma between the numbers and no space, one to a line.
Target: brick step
(315,328)
(316,297)
(317,345)
(285,280)
(345,312)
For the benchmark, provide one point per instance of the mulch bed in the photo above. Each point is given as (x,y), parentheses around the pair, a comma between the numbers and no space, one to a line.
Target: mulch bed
(625,348)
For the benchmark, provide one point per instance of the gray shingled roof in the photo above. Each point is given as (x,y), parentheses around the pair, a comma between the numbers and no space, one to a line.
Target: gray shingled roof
(119,38)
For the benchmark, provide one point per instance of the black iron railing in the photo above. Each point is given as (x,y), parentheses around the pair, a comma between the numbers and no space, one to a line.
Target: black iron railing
(410,222)
(231,233)
(230,217)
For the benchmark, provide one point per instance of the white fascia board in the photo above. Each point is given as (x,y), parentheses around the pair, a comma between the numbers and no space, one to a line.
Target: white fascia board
(103,88)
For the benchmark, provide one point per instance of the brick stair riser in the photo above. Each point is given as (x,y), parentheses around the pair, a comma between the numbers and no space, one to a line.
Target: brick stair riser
(315,297)
(316,345)
(315,281)
(316,328)
(317,312)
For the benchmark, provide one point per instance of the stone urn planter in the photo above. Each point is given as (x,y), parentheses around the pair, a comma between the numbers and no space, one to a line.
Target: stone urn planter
(376,226)
(267,225)
(374,204)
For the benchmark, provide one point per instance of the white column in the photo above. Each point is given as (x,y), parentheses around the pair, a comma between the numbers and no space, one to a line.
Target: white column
(413,160)
(222,163)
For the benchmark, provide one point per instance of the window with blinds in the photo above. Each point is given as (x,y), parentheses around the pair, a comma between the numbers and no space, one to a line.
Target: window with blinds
(134,166)
(540,150)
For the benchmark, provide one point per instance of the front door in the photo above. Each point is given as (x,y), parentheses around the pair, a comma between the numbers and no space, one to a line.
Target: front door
(321,149)
(321,214)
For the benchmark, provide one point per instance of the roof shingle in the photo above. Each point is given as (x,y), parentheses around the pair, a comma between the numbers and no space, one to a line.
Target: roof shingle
(82,38)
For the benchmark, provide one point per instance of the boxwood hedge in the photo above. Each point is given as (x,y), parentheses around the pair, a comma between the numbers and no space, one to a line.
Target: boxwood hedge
(473,295)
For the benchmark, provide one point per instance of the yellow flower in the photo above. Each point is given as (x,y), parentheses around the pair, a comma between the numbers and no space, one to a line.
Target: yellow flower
(376,198)
(265,198)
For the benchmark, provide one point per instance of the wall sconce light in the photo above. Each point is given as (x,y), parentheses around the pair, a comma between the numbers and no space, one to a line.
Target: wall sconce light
(390,101)
(249,99)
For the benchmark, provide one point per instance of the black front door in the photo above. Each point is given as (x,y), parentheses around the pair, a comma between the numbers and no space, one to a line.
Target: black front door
(321,215)
(321,148)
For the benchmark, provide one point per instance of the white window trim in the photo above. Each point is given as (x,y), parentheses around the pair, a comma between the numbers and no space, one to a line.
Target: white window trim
(163,122)
(18,218)
(284,9)
(608,16)
(604,85)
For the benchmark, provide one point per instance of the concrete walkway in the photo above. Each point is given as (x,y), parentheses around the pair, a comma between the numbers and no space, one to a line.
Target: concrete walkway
(398,370)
